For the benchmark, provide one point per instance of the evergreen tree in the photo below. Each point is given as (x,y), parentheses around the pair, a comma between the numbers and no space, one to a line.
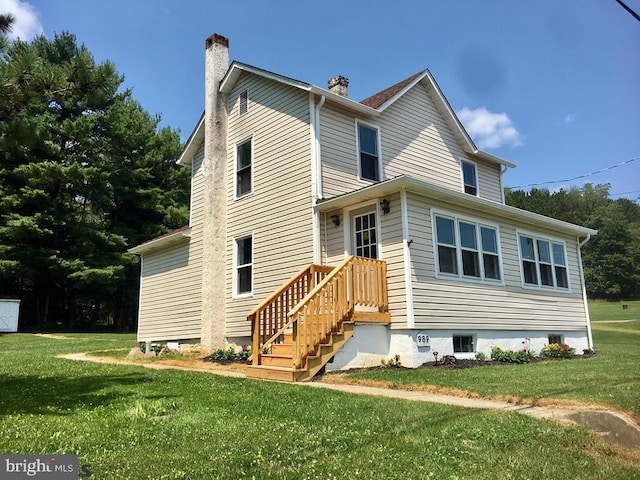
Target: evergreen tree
(84,174)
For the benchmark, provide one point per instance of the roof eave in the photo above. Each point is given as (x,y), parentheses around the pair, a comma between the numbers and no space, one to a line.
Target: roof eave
(161,242)
(193,144)
(455,198)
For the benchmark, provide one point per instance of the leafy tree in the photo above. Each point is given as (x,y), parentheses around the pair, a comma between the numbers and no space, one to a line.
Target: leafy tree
(611,258)
(85,173)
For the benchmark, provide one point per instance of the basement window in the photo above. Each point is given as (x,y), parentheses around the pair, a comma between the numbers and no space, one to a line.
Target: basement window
(463,344)
(554,338)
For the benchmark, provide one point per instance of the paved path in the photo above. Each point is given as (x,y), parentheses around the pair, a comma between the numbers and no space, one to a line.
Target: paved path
(617,427)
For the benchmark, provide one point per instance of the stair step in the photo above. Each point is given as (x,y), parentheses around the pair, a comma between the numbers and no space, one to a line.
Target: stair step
(276,360)
(282,349)
(281,374)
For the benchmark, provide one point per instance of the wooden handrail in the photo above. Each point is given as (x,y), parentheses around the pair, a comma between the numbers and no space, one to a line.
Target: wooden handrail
(270,316)
(356,281)
(313,304)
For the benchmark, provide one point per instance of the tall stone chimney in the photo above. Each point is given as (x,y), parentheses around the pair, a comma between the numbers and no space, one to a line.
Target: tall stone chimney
(339,85)
(214,170)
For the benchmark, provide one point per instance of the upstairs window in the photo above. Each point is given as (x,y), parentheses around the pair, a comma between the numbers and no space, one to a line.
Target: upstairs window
(369,158)
(243,102)
(544,262)
(469,177)
(467,249)
(243,266)
(244,162)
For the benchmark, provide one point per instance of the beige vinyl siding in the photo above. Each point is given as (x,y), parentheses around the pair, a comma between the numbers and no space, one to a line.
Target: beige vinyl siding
(415,141)
(170,282)
(489,180)
(278,213)
(393,255)
(338,151)
(442,303)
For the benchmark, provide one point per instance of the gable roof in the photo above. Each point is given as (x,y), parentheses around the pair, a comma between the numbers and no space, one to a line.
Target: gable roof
(378,99)
(372,106)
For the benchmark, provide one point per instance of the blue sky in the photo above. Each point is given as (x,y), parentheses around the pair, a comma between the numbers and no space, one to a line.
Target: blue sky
(551,85)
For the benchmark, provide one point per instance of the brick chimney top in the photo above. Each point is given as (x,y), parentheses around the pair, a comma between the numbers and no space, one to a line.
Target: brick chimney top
(217,40)
(338,85)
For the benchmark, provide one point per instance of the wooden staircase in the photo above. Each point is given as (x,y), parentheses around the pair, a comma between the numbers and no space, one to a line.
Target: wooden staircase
(302,325)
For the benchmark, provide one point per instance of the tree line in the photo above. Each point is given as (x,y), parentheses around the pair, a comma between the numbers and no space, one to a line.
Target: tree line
(85,174)
(612,257)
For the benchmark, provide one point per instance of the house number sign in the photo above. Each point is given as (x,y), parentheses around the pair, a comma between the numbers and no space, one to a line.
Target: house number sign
(422,339)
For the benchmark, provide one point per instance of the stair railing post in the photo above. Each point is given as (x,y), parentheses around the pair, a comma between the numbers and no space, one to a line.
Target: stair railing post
(255,339)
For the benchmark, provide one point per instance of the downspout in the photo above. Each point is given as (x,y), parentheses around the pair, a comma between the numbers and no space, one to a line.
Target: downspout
(584,289)
(316,172)
(503,170)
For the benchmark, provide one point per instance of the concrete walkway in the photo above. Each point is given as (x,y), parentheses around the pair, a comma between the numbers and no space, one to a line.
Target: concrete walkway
(616,427)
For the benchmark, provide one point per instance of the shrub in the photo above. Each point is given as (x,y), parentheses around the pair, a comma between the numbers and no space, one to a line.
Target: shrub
(481,357)
(509,356)
(229,355)
(555,350)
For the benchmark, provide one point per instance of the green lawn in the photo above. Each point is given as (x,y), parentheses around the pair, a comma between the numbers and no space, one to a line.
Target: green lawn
(612,377)
(128,422)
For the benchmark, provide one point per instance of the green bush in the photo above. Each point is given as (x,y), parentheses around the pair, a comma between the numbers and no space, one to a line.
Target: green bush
(481,357)
(230,355)
(509,356)
(555,350)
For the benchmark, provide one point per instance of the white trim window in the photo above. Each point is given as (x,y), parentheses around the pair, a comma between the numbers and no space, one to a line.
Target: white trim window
(369,165)
(243,266)
(543,262)
(244,167)
(466,249)
(469,177)
(243,102)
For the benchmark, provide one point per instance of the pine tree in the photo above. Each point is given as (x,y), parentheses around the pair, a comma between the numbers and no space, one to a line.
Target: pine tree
(84,174)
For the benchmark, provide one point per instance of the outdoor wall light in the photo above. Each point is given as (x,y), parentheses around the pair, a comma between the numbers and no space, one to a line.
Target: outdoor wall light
(335,219)
(384,204)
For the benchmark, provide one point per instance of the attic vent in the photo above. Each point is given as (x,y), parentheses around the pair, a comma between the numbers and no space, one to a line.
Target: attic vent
(244,102)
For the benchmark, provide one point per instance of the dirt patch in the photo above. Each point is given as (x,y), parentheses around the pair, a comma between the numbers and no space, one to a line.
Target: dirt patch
(185,362)
(54,336)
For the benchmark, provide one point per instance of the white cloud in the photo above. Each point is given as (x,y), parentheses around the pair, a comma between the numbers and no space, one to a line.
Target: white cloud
(488,129)
(570,118)
(27,24)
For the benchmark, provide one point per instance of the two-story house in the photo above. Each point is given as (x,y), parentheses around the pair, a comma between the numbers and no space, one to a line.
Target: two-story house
(327,229)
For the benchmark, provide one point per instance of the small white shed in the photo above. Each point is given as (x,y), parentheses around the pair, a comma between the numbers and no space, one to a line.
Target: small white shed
(9,310)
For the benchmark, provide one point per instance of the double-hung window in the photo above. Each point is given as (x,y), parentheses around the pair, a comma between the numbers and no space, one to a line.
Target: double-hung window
(544,262)
(244,163)
(243,266)
(368,155)
(467,249)
(469,177)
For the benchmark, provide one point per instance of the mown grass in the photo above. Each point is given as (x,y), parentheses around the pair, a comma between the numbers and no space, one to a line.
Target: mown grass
(127,422)
(611,377)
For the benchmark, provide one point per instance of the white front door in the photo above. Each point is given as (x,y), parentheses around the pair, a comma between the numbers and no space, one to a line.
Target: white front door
(365,236)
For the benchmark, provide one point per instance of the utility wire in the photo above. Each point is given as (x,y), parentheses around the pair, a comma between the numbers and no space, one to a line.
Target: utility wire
(628,9)
(579,176)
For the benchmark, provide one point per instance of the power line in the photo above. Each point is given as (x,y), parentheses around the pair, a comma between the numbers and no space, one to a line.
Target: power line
(623,193)
(626,162)
(634,14)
